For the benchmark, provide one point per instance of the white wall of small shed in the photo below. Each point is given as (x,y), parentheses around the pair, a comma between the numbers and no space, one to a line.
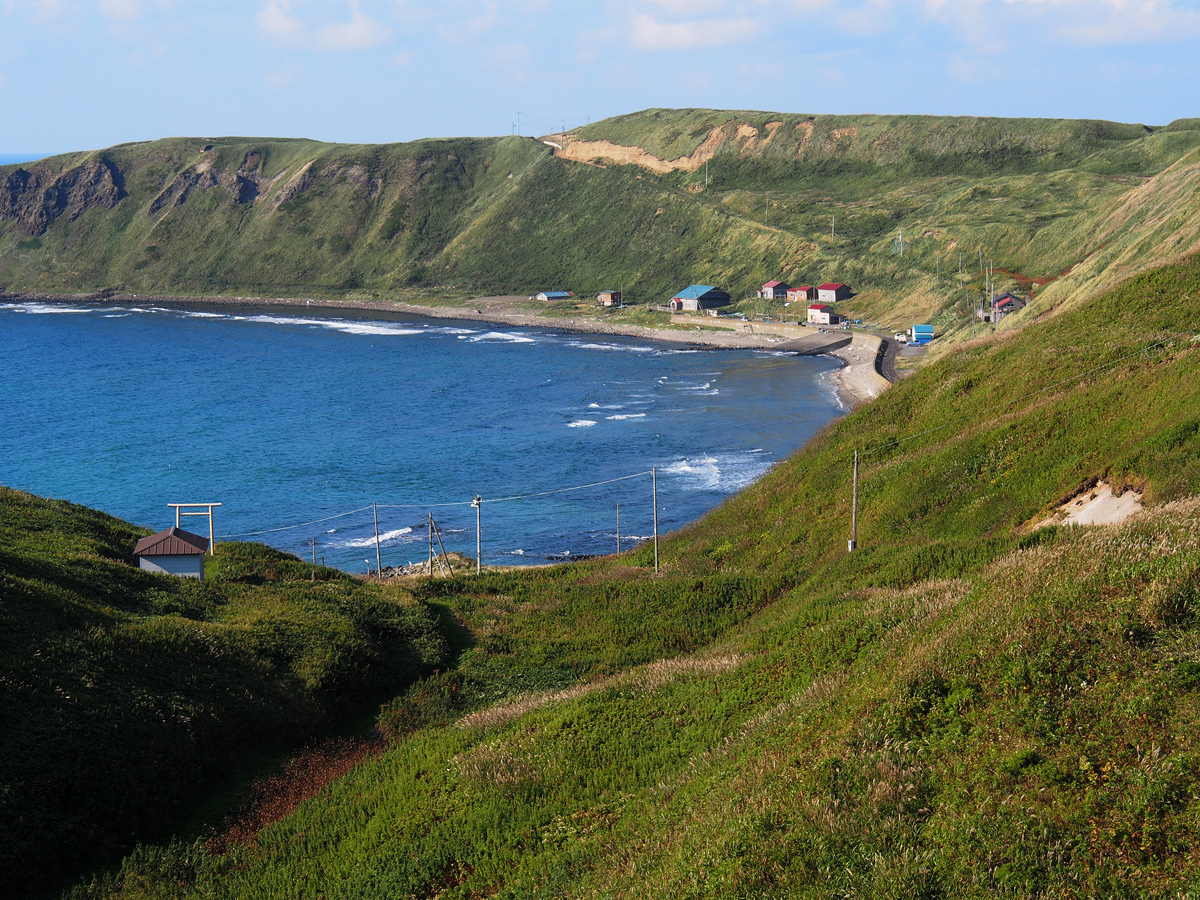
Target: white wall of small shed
(183,566)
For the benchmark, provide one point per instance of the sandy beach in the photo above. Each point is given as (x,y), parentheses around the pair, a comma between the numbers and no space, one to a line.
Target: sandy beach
(857,382)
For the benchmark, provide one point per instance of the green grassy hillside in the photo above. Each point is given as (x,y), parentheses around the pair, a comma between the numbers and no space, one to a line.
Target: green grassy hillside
(964,707)
(125,696)
(1069,206)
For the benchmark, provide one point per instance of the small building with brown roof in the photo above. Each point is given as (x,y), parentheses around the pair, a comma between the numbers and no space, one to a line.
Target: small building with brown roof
(773,290)
(173,552)
(802,293)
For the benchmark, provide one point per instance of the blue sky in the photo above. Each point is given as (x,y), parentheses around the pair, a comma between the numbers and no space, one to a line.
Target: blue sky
(83,74)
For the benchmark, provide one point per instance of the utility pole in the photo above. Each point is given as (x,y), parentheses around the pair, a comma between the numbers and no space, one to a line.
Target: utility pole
(768,208)
(430,544)
(705,173)
(378,566)
(832,230)
(853,542)
(518,132)
(654,491)
(477,502)
(618,528)
(314,545)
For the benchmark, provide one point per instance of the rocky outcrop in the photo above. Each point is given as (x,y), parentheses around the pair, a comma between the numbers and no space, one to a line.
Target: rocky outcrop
(243,186)
(37,196)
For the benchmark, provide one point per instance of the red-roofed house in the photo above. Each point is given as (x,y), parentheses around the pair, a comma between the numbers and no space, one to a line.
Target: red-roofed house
(801,294)
(822,314)
(174,551)
(773,290)
(833,292)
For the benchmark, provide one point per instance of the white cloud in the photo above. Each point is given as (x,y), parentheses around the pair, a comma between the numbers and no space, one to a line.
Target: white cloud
(462,27)
(690,7)
(278,21)
(122,9)
(872,18)
(360,33)
(1116,21)
(651,34)
(45,10)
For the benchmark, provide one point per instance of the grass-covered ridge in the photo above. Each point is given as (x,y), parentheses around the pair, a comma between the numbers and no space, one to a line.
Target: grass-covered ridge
(964,707)
(1069,206)
(126,695)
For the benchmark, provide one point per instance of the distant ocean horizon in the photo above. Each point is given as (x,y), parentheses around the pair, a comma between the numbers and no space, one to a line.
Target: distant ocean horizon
(297,422)
(10,158)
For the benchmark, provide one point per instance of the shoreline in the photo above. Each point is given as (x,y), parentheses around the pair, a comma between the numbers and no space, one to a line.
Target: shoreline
(856,382)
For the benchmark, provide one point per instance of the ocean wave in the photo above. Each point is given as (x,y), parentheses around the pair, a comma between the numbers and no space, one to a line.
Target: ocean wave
(346,326)
(603,406)
(389,537)
(726,472)
(626,416)
(581,423)
(501,336)
(194,314)
(634,348)
(41,309)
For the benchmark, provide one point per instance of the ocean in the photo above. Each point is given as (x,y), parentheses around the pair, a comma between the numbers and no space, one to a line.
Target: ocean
(297,421)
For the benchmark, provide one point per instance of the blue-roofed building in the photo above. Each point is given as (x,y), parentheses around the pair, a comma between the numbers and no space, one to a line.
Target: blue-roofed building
(556,295)
(922,334)
(698,297)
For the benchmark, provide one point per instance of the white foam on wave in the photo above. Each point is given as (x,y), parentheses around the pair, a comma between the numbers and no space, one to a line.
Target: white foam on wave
(346,326)
(624,348)
(193,314)
(626,416)
(825,383)
(581,423)
(605,406)
(501,336)
(726,472)
(369,541)
(42,309)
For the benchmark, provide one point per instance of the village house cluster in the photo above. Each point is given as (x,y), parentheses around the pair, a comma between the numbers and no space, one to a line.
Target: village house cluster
(708,299)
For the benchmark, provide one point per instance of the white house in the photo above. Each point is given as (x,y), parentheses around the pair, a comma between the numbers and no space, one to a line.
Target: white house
(821,314)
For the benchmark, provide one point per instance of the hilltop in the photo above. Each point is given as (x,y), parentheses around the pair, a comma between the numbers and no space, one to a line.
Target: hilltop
(649,201)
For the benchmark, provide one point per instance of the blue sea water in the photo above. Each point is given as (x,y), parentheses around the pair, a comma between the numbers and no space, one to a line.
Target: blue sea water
(296,417)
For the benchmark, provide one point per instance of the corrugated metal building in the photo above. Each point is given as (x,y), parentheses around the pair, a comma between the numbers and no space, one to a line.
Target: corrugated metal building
(697,297)
(922,334)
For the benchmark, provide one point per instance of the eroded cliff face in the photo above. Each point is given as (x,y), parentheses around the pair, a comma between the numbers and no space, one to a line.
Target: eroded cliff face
(36,196)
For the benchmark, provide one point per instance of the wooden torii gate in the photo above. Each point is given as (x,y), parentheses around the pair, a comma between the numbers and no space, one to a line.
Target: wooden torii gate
(208,508)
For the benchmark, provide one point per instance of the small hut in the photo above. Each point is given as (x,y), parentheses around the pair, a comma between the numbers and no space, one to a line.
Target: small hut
(173,552)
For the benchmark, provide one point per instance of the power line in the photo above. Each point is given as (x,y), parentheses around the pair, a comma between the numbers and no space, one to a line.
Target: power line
(565,490)
(301,525)
(578,487)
